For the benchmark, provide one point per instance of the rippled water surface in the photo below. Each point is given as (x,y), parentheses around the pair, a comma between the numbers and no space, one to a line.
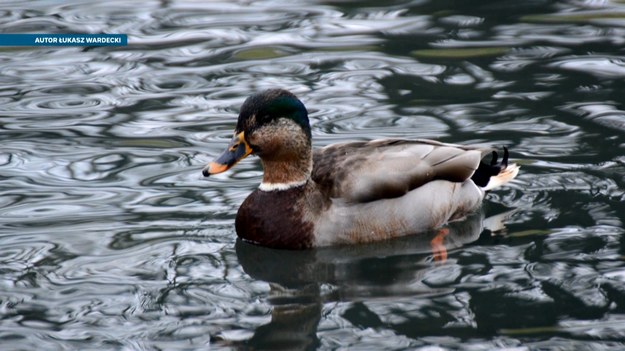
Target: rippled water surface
(111,239)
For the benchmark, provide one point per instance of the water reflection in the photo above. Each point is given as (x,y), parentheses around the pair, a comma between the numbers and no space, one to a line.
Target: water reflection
(303,281)
(110,240)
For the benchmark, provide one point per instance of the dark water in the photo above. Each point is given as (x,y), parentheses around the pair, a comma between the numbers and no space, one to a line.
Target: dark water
(110,239)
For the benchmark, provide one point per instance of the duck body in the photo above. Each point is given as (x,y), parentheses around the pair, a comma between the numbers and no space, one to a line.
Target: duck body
(349,193)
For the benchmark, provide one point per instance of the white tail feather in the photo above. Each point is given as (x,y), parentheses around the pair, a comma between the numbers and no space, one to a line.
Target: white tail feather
(506,175)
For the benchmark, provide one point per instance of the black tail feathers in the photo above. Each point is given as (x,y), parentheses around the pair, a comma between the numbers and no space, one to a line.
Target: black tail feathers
(484,171)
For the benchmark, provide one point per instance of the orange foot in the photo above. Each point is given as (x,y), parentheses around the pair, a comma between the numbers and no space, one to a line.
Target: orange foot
(438,247)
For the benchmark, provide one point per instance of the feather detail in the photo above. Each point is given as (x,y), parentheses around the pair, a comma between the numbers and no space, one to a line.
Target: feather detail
(506,175)
(264,186)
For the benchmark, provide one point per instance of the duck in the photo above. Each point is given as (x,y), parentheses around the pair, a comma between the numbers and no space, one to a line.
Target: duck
(351,192)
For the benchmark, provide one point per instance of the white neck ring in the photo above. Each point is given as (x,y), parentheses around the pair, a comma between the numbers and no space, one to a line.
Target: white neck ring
(281,186)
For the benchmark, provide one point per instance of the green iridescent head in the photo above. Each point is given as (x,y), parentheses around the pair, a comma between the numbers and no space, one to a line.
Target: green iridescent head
(266,107)
(273,123)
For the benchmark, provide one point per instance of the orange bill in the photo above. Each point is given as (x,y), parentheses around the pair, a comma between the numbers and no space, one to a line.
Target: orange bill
(237,150)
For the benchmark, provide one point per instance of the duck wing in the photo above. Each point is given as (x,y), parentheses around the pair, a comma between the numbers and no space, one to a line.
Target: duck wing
(388,168)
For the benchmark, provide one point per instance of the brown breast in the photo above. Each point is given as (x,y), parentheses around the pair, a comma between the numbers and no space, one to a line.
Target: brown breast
(276,219)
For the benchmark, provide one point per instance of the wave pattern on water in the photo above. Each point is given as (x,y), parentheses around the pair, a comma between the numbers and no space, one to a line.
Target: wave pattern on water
(111,239)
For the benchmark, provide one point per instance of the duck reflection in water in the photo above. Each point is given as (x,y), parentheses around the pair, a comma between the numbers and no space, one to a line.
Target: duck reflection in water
(388,269)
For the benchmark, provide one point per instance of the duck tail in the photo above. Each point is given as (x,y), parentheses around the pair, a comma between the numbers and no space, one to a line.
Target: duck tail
(506,175)
(495,174)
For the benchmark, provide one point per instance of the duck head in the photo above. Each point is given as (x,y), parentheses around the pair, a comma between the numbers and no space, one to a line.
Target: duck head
(273,125)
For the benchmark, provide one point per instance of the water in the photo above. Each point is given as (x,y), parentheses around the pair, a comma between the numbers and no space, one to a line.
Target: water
(110,239)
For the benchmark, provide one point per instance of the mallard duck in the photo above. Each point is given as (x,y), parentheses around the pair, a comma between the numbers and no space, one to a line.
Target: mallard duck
(352,192)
